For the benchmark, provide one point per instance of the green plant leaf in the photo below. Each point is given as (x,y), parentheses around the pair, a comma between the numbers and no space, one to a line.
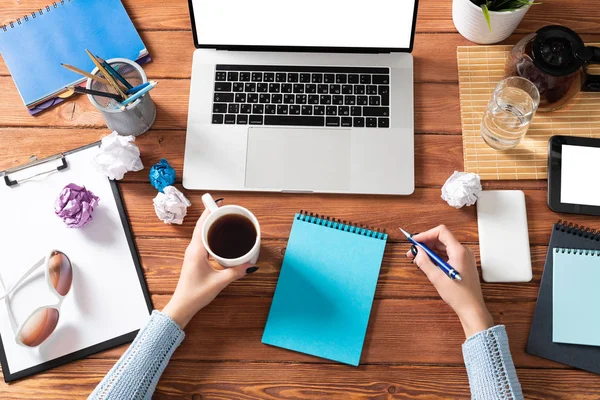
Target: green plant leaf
(499,5)
(503,5)
(486,14)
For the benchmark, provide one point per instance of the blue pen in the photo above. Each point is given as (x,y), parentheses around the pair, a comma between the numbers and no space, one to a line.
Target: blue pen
(444,266)
(137,88)
(139,94)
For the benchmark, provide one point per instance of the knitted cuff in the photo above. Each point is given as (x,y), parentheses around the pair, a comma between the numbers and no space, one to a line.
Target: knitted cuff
(490,366)
(137,372)
(168,323)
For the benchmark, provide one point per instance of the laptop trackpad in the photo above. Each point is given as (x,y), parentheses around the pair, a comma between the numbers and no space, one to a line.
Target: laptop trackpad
(298,159)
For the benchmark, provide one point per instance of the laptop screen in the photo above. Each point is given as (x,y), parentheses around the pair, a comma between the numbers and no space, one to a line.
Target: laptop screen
(369,24)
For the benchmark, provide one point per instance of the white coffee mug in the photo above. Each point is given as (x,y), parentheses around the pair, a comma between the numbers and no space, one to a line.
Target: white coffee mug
(217,212)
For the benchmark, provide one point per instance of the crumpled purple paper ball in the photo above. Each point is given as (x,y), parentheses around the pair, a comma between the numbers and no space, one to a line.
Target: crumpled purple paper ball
(75,205)
(162,175)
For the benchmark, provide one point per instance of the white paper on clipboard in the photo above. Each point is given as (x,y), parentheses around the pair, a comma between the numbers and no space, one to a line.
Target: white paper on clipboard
(107,298)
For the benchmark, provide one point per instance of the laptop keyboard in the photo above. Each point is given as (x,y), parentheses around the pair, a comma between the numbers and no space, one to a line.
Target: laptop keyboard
(302,96)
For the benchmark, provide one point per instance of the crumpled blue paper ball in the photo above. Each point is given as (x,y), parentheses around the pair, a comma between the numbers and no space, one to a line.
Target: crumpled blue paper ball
(162,175)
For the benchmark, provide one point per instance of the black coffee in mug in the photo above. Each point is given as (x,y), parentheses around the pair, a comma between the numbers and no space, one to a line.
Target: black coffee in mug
(231,236)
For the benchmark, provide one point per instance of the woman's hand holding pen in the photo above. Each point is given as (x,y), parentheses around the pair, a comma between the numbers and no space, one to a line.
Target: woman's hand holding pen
(464,296)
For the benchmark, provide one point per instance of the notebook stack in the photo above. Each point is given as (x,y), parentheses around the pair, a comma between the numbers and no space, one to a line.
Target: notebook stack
(35,45)
(565,325)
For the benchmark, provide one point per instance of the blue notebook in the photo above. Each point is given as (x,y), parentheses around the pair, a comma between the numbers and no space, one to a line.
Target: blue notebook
(325,290)
(576,297)
(34,46)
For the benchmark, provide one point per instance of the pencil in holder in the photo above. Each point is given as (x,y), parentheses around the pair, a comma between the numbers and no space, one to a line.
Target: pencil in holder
(135,118)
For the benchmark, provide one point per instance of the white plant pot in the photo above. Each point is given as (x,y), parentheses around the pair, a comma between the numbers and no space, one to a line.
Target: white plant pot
(470,22)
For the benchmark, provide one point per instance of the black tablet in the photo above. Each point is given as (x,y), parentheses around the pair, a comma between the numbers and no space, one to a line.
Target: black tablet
(573,180)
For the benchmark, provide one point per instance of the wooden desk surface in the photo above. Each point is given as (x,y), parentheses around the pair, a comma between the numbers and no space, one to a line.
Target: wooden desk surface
(413,345)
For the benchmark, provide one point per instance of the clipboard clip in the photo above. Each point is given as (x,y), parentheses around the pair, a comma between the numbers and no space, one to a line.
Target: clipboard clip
(35,162)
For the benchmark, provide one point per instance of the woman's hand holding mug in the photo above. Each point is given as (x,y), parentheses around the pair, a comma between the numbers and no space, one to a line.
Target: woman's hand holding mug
(199,283)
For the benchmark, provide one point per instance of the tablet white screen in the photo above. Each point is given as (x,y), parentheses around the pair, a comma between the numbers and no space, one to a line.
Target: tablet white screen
(318,23)
(580,184)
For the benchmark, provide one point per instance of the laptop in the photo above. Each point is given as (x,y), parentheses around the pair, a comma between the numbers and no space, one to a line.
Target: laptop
(311,96)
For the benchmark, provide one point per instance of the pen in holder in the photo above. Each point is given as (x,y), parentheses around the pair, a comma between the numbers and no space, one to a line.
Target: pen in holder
(134,118)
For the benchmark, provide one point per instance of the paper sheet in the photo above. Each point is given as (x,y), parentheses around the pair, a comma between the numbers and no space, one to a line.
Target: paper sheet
(106,298)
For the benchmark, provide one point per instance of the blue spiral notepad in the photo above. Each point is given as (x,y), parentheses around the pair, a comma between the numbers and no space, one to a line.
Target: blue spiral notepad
(34,45)
(541,342)
(576,297)
(325,290)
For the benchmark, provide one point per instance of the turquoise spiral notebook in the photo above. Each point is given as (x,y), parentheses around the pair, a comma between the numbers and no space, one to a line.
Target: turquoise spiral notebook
(325,291)
(575,297)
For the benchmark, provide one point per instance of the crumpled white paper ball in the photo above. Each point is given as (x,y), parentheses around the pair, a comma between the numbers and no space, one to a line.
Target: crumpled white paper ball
(171,206)
(462,189)
(117,156)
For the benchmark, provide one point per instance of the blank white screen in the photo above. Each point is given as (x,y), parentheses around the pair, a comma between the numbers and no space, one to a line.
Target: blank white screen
(580,184)
(318,23)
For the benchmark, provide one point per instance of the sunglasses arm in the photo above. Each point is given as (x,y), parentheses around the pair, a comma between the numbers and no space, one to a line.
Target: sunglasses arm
(11,315)
(22,278)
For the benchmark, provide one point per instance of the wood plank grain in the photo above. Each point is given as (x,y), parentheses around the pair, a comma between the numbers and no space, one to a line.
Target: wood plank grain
(154,145)
(145,14)
(401,331)
(170,97)
(276,214)
(433,16)
(436,108)
(171,53)
(275,381)
(407,319)
(295,381)
(422,210)
(434,55)
(162,258)
(436,156)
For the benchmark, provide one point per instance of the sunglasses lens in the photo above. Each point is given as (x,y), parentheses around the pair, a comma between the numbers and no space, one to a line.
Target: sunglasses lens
(39,327)
(61,272)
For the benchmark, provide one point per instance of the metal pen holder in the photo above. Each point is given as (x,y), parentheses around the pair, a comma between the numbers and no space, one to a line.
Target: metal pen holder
(135,118)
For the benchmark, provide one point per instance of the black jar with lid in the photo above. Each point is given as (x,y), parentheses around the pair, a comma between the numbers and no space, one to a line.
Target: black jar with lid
(555,59)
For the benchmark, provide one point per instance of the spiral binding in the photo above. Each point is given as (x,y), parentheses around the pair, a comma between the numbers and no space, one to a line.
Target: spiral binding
(574,229)
(345,226)
(578,252)
(34,14)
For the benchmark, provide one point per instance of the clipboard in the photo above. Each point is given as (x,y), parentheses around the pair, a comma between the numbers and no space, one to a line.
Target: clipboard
(137,303)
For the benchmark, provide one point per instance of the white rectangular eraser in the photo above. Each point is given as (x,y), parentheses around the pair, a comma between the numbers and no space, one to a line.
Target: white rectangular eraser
(503,236)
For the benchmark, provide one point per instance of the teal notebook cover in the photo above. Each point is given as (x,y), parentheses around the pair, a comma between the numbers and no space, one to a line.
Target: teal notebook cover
(35,45)
(325,290)
(575,298)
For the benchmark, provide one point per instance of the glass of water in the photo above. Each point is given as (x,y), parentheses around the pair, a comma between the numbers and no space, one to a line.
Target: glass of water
(509,113)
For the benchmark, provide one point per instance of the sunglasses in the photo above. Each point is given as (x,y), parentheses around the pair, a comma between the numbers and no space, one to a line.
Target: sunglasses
(41,323)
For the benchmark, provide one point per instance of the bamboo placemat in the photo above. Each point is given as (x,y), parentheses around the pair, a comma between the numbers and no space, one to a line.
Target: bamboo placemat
(480,68)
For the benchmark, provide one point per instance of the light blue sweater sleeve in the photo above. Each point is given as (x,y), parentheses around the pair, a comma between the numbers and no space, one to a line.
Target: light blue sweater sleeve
(137,372)
(490,367)
(489,364)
